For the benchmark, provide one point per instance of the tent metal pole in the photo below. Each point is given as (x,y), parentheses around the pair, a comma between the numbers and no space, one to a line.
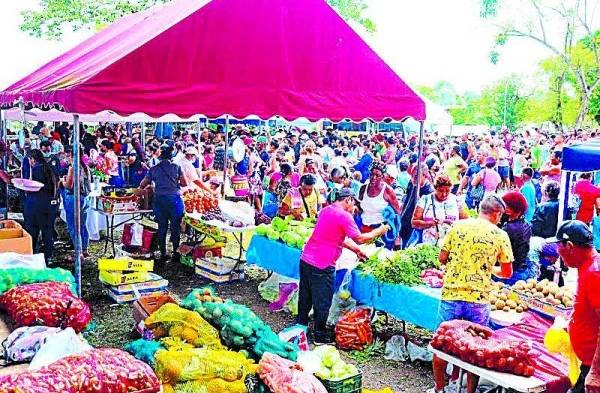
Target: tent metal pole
(77,203)
(225,161)
(143,136)
(3,136)
(418,185)
(563,206)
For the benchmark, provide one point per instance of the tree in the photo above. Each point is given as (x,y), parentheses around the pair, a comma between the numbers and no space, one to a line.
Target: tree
(559,26)
(53,16)
(443,93)
(503,103)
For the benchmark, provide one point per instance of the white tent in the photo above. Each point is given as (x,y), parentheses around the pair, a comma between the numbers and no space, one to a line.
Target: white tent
(438,119)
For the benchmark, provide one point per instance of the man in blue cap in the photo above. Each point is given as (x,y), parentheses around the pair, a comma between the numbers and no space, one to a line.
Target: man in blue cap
(576,248)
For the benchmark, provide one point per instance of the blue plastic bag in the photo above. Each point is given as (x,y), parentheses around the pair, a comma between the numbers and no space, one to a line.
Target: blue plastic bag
(596,232)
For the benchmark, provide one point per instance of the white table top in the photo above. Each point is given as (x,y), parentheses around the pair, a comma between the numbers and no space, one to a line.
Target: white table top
(220,224)
(508,381)
(120,213)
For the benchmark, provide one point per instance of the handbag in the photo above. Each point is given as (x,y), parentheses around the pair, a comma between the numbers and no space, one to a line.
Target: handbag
(478,191)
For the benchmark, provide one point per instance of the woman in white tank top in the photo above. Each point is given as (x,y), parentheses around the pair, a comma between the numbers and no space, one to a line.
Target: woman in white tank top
(375,196)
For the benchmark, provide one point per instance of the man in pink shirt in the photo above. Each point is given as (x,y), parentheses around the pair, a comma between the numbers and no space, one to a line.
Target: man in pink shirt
(317,264)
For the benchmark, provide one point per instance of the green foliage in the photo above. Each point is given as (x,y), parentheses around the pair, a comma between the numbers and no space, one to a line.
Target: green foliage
(502,103)
(443,93)
(52,17)
(489,8)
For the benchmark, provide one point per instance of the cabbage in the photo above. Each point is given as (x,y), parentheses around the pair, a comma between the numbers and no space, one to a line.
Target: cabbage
(279,224)
(272,234)
(262,230)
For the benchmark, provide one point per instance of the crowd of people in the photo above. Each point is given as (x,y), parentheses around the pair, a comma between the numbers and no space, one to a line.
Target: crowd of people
(297,172)
(490,202)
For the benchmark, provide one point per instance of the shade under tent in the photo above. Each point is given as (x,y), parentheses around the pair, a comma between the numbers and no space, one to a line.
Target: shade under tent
(299,68)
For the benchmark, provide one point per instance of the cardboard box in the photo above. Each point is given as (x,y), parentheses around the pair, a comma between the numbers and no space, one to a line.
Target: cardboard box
(220,270)
(21,244)
(136,265)
(111,277)
(131,297)
(144,306)
(155,281)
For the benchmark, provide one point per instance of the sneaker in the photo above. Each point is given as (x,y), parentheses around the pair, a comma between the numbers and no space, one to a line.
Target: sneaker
(433,390)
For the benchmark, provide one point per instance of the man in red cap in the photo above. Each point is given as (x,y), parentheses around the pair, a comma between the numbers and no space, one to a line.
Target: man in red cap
(576,248)
(519,233)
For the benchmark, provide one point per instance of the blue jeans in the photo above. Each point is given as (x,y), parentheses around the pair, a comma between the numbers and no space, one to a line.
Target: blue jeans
(316,292)
(472,312)
(39,214)
(168,209)
(530,271)
(69,205)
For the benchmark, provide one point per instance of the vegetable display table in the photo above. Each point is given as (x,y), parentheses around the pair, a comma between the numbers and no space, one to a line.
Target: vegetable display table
(504,381)
(417,305)
(274,256)
(236,232)
(282,259)
(551,370)
(117,219)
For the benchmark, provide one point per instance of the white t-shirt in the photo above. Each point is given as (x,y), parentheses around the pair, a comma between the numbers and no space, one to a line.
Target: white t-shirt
(190,173)
(447,210)
(326,153)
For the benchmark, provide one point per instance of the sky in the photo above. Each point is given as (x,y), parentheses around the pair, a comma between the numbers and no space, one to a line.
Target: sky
(425,41)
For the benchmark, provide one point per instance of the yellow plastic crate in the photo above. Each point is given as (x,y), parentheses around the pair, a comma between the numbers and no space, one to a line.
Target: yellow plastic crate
(134,265)
(118,278)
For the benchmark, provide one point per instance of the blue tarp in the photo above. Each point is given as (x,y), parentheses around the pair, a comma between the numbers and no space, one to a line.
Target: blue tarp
(417,305)
(274,256)
(584,157)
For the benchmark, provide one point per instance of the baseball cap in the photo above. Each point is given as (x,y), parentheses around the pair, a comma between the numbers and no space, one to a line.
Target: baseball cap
(574,231)
(191,150)
(344,192)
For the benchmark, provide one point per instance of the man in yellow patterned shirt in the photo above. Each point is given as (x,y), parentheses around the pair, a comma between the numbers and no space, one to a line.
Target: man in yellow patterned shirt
(471,250)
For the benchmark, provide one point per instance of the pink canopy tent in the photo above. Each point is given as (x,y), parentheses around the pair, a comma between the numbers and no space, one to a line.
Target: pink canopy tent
(236,57)
(221,57)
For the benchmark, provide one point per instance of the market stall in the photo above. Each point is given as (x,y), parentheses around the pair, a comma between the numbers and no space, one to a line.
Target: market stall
(583,157)
(85,80)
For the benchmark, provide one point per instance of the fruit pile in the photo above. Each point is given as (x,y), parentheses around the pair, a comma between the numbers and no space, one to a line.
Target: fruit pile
(284,376)
(332,367)
(51,304)
(240,328)
(173,321)
(96,370)
(293,233)
(213,214)
(199,201)
(546,291)
(503,299)
(476,344)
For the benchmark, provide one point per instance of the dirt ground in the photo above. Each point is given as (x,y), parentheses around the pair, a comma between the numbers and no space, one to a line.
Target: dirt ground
(113,324)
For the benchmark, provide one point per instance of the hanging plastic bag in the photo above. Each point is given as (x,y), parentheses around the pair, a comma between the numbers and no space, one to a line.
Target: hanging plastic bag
(127,235)
(23,343)
(557,340)
(296,335)
(342,300)
(395,349)
(58,346)
(137,231)
(596,229)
